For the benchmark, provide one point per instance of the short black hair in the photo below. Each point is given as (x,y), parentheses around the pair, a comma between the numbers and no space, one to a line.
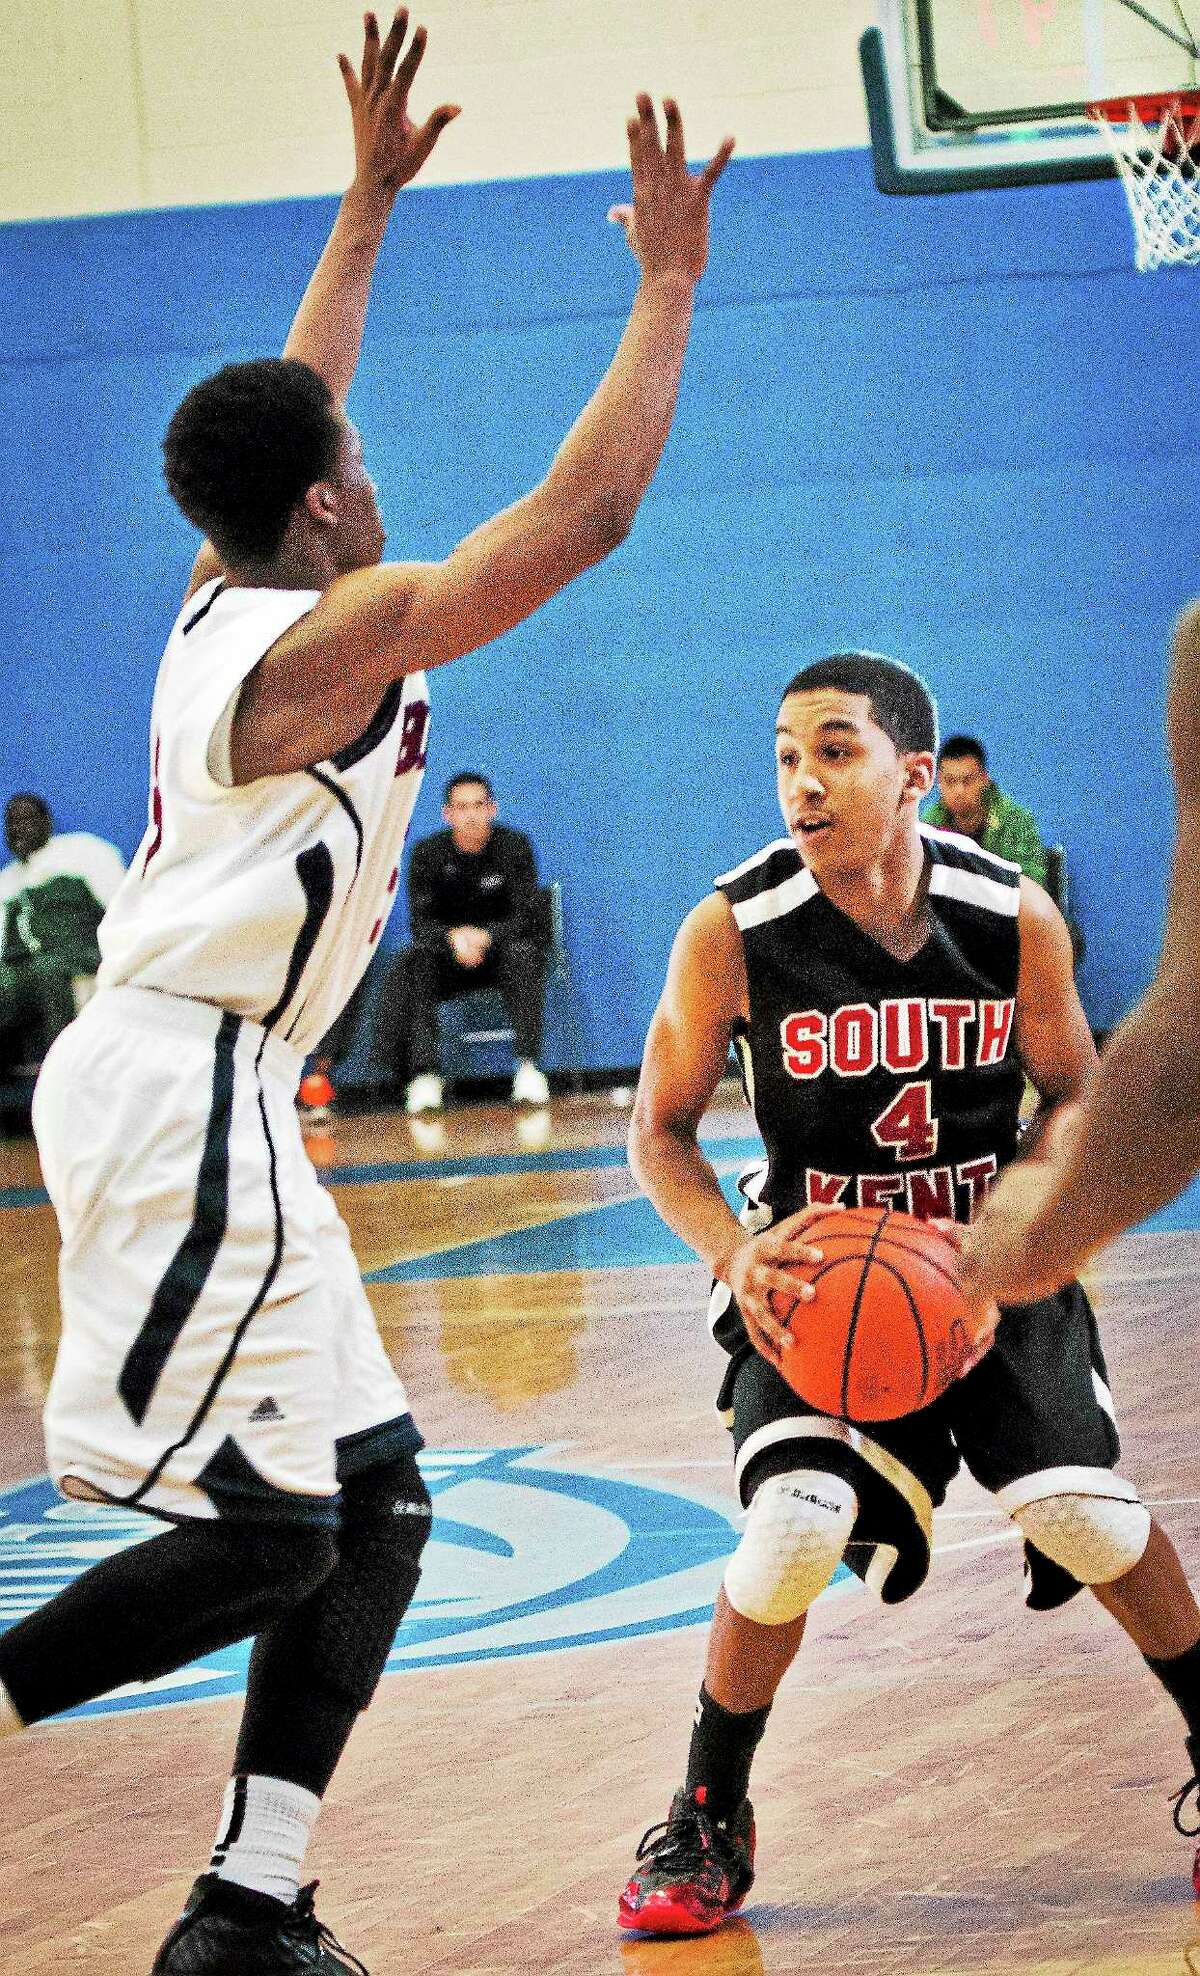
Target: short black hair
(467,775)
(901,703)
(956,746)
(28,796)
(244,447)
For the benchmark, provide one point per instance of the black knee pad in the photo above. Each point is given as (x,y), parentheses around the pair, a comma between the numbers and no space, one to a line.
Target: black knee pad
(390,1496)
(351,1622)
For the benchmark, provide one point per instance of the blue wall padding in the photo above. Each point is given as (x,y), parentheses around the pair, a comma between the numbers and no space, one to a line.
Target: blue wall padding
(960,430)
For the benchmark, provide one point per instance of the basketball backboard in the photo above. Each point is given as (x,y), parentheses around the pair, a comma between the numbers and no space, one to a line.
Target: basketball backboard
(967,94)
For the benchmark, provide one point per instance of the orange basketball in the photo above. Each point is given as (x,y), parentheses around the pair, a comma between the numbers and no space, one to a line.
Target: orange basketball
(888,1330)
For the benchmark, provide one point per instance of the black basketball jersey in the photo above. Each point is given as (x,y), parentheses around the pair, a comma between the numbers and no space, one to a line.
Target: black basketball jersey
(876,1081)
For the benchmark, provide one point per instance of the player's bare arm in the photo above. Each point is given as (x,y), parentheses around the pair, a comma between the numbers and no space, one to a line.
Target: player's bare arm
(389,151)
(1057,1052)
(1134,1141)
(1053,1039)
(317,688)
(687,1049)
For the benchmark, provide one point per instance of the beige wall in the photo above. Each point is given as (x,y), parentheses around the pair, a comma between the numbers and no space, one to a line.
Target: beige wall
(110,104)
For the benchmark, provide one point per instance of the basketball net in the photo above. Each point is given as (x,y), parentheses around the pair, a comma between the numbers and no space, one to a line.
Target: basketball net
(1159,165)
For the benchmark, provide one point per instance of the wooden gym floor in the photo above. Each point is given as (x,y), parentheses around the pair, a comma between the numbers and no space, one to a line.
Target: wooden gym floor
(954,1786)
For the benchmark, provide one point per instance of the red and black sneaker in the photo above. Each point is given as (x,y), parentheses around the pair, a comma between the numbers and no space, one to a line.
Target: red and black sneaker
(692,1871)
(1187,1821)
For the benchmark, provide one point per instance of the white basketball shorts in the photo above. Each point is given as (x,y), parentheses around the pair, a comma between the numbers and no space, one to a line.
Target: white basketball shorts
(219,1356)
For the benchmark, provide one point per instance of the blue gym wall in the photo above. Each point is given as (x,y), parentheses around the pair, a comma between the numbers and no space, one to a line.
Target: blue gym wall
(959,430)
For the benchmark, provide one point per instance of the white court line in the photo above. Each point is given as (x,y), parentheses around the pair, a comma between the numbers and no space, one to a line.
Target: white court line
(977,1543)
(635,1467)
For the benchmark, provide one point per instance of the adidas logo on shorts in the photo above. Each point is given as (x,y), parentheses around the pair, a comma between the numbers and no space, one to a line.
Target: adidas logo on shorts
(267,1409)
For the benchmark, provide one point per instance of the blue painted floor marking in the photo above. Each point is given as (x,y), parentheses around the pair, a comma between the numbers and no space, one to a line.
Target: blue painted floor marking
(611,1235)
(480,1166)
(613,1245)
(23,1197)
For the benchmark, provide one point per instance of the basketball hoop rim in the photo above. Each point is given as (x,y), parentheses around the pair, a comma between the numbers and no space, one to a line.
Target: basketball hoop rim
(1182,104)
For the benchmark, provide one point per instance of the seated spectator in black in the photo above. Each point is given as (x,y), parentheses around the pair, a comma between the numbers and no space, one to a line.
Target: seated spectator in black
(52,897)
(474,910)
(969,802)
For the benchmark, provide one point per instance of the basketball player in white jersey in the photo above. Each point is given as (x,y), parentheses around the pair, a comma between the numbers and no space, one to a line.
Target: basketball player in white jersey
(219,1363)
(1133,1142)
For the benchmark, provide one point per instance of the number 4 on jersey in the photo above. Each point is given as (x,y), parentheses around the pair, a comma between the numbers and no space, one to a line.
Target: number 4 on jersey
(908,1125)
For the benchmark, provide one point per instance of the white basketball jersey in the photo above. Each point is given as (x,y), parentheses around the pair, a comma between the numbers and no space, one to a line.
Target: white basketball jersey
(266,900)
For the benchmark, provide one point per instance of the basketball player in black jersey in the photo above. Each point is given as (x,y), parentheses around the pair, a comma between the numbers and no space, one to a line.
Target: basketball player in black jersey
(887,988)
(1134,1141)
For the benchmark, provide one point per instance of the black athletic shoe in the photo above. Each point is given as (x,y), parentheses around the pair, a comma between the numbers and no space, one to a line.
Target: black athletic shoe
(692,1871)
(226,1930)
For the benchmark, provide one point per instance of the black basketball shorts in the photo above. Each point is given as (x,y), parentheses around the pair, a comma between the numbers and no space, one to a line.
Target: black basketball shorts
(1033,1419)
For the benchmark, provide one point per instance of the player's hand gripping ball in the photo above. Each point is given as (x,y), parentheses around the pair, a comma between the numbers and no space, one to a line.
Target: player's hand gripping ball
(888,1329)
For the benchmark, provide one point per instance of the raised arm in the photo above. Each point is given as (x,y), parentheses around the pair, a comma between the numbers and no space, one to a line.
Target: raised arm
(317,687)
(686,1052)
(389,151)
(1134,1141)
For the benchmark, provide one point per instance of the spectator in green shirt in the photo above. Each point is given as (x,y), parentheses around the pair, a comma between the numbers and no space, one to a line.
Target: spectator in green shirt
(969,802)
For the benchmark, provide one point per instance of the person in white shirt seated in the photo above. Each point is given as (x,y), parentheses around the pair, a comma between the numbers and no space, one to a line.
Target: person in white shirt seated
(53,896)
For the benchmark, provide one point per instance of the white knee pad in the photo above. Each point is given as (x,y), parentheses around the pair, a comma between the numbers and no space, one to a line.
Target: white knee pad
(797,1528)
(1095,1538)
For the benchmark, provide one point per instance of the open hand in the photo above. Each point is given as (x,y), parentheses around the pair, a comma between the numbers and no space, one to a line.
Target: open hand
(389,149)
(667,224)
(985,1312)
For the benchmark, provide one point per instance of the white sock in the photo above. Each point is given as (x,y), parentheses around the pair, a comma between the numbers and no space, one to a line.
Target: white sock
(263,1835)
(10,1722)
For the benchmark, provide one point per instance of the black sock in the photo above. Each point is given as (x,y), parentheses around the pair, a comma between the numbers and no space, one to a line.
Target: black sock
(722,1751)
(1180,1677)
